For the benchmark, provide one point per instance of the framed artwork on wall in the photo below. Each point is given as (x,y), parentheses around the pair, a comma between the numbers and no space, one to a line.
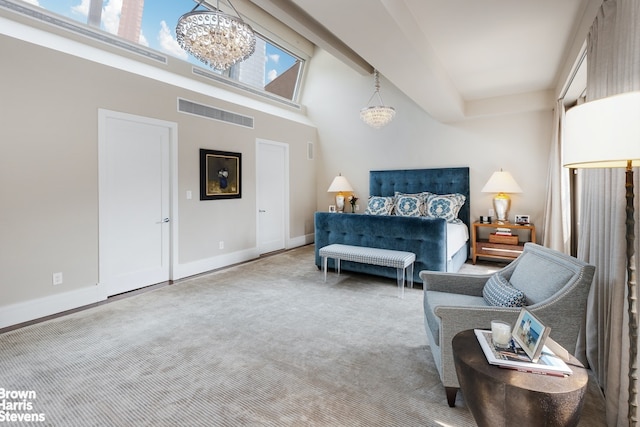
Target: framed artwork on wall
(220,175)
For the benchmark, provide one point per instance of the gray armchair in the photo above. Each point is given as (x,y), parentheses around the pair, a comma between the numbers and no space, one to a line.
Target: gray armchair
(555,286)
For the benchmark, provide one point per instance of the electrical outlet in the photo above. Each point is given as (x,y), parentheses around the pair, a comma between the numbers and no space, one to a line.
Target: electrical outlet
(221,244)
(57,279)
(357,208)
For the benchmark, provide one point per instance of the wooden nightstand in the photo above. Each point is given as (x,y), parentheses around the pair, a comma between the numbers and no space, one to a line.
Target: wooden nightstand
(503,251)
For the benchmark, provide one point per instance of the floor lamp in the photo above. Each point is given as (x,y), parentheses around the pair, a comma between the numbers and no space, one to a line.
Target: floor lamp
(606,134)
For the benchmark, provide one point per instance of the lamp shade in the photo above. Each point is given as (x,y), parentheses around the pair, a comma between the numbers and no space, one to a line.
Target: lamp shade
(501,182)
(604,133)
(339,184)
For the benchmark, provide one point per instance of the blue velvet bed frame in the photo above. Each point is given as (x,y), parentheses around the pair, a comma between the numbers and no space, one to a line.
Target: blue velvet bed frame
(423,236)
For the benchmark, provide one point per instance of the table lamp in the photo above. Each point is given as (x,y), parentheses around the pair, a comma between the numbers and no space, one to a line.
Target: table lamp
(339,185)
(501,183)
(605,133)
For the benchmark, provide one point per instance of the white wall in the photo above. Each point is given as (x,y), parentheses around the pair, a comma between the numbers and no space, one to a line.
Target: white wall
(334,95)
(49,174)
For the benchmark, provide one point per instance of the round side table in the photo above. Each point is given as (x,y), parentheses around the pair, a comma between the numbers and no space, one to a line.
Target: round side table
(505,397)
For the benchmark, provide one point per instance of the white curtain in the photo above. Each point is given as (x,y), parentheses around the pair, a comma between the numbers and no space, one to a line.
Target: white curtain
(613,60)
(556,227)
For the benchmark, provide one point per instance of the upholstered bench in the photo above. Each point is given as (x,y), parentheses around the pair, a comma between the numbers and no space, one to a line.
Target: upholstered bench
(402,261)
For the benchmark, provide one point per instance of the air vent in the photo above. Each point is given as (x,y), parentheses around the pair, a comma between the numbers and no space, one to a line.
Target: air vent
(309,150)
(208,112)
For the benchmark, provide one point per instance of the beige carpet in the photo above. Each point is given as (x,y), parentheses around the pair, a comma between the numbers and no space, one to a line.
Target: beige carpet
(265,343)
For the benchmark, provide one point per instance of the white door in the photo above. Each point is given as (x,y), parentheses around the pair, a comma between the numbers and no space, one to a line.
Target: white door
(134,198)
(273,195)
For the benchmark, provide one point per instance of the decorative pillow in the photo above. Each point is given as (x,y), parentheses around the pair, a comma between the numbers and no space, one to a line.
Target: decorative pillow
(407,205)
(419,199)
(445,206)
(499,292)
(379,205)
(424,195)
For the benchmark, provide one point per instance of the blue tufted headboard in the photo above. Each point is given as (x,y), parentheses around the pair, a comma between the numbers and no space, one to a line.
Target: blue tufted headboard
(439,181)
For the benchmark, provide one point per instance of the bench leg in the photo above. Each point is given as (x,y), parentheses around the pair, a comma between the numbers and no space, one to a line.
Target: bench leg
(400,275)
(410,275)
(324,264)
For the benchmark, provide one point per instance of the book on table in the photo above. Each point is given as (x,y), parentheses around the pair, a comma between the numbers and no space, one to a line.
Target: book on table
(515,358)
(501,231)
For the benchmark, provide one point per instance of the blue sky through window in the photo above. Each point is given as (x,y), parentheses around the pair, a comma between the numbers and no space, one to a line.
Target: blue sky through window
(159,21)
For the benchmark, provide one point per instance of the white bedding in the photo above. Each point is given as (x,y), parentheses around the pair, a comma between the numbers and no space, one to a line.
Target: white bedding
(457,236)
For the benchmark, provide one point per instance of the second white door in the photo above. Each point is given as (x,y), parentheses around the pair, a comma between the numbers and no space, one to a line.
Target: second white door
(273,195)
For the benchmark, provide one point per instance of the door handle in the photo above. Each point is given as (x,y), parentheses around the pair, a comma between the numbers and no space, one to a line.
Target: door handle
(261,210)
(163,221)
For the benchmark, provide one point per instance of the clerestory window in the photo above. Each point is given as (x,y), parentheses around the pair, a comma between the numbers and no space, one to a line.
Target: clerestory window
(152,24)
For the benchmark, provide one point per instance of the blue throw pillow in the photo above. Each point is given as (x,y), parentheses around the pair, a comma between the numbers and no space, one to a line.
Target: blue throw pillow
(409,205)
(445,206)
(499,292)
(379,205)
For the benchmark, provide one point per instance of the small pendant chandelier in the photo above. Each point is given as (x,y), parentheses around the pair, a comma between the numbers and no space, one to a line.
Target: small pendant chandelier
(377,116)
(215,38)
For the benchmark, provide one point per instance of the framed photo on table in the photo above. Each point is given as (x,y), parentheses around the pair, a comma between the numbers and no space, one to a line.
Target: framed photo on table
(220,175)
(530,334)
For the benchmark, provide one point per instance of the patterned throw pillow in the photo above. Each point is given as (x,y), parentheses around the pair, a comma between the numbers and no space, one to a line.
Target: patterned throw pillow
(424,195)
(379,205)
(499,292)
(407,205)
(445,206)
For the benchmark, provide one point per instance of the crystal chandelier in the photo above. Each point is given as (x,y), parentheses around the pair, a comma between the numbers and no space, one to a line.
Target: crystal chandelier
(215,38)
(377,116)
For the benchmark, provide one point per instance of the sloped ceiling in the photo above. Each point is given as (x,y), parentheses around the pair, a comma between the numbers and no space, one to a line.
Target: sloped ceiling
(451,56)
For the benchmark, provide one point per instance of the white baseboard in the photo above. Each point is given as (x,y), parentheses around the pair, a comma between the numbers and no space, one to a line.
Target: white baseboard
(208,264)
(14,314)
(45,306)
(300,241)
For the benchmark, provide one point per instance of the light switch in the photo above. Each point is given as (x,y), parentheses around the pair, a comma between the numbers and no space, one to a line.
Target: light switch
(189,195)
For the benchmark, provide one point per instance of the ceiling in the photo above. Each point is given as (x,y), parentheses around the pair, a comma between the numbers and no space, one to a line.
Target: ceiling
(451,56)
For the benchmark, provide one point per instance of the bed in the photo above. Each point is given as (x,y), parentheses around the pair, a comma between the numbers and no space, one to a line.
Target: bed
(438,244)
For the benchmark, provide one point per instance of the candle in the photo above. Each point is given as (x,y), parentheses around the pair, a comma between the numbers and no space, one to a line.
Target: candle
(500,333)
